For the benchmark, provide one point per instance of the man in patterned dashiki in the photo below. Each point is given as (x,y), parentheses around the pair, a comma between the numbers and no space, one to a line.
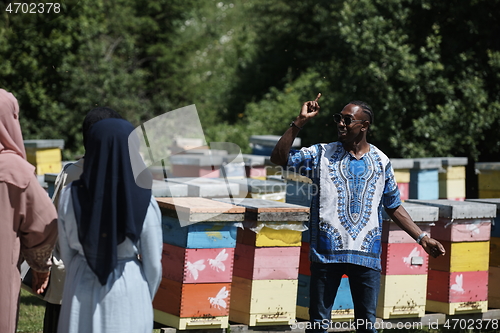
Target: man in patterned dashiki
(354,181)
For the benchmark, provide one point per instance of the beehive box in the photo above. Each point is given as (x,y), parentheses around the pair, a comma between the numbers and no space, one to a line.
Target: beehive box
(404,259)
(186,300)
(45,155)
(462,257)
(422,215)
(494,287)
(457,292)
(495,227)
(461,221)
(424,179)
(266,263)
(199,222)
(197,265)
(402,296)
(263,302)
(276,223)
(488,179)
(196,165)
(402,168)
(343,306)
(207,187)
(452,178)
(456,287)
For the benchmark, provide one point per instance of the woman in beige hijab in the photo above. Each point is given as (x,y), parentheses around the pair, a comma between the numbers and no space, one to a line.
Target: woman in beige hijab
(28,220)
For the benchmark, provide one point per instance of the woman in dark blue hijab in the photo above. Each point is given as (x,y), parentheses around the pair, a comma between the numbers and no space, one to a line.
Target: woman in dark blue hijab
(107,221)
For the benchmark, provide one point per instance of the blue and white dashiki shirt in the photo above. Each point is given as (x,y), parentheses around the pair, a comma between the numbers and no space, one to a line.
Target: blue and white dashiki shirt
(346,213)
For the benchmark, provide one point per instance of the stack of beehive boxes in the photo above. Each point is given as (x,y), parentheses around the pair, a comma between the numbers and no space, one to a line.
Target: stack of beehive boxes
(402,168)
(403,283)
(458,281)
(494,269)
(488,179)
(424,179)
(45,155)
(452,178)
(199,238)
(264,289)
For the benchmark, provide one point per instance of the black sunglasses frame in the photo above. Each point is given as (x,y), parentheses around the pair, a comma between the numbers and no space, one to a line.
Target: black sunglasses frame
(338,117)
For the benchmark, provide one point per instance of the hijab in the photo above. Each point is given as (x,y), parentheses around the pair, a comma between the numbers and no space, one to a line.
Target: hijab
(108,203)
(14,169)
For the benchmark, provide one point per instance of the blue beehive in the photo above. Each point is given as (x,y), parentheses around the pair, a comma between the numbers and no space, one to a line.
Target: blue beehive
(424,179)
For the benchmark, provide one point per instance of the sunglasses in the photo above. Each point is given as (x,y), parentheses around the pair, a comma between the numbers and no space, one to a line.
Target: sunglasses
(346,119)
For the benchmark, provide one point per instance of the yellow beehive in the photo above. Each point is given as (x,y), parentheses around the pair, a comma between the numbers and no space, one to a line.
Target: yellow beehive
(402,296)
(45,155)
(462,257)
(270,237)
(263,302)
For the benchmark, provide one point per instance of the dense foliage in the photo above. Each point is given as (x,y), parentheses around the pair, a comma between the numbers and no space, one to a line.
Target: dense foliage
(430,69)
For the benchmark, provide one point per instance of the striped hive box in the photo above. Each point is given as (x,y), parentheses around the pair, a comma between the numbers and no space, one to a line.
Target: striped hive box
(457,292)
(488,179)
(266,264)
(424,179)
(401,296)
(198,258)
(466,262)
(343,307)
(403,281)
(263,302)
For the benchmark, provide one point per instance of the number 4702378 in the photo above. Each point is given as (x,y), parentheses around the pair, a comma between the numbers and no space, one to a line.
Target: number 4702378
(33,8)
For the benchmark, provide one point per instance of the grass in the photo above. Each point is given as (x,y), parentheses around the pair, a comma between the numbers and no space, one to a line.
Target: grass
(31,311)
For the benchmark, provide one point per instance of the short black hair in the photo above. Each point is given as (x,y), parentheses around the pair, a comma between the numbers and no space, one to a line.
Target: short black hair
(94,115)
(366,109)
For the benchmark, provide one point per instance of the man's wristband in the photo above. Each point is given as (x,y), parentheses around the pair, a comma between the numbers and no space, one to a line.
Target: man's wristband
(419,238)
(292,124)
